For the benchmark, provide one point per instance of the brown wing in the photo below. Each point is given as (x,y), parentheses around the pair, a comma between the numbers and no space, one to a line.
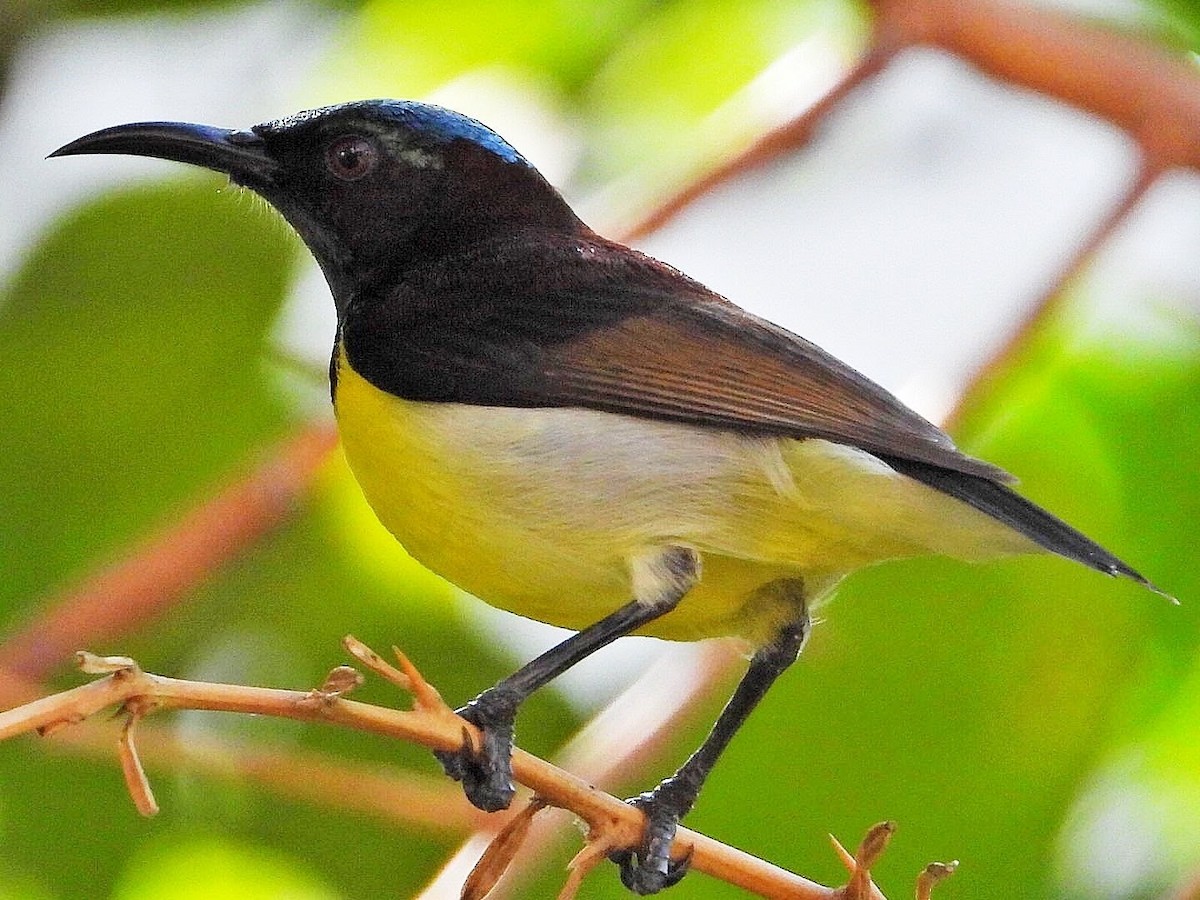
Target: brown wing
(711,363)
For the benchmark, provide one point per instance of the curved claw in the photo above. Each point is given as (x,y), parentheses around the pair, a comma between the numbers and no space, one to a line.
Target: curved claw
(649,869)
(485,771)
(643,881)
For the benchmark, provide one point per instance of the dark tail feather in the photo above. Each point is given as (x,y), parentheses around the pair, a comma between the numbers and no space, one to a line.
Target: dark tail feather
(1007,506)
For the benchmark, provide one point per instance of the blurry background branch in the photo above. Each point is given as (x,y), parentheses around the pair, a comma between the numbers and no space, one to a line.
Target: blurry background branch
(1152,95)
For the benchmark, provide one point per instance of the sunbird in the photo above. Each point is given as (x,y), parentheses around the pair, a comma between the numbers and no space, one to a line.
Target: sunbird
(571,430)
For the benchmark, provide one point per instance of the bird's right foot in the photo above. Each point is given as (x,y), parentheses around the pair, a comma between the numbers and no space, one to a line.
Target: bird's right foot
(485,770)
(649,868)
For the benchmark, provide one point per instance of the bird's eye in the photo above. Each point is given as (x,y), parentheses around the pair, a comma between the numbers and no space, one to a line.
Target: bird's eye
(351,158)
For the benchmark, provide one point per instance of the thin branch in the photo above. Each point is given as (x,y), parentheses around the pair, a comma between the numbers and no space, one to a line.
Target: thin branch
(154,574)
(1189,890)
(781,141)
(933,875)
(398,796)
(426,802)
(1153,96)
(619,824)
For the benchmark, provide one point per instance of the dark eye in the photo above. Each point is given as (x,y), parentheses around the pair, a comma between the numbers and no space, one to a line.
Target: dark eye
(351,158)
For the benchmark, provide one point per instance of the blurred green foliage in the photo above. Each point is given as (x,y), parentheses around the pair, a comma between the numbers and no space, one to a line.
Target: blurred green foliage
(133,377)
(974,705)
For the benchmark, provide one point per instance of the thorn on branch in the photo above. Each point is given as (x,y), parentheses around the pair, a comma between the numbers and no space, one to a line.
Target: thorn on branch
(407,677)
(860,886)
(594,852)
(501,852)
(340,681)
(934,873)
(376,663)
(425,695)
(131,767)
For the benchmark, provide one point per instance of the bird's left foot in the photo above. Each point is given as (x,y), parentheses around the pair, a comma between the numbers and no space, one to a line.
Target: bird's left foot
(649,868)
(485,770)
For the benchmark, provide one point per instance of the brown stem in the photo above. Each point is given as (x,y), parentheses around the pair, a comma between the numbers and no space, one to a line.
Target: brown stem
(428,803)
(1153,96)
(1188,890)
(783,140)
(619,823)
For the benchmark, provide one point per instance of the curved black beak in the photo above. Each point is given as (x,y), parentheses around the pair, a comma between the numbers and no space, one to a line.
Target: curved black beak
(239,154)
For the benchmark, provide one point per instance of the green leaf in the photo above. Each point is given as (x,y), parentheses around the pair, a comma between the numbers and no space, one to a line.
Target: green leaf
(132,381)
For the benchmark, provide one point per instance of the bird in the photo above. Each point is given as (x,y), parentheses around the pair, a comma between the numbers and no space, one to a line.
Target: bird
(576,432)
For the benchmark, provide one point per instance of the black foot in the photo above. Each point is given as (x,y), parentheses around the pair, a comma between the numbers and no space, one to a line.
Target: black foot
(649,868)
(486,770)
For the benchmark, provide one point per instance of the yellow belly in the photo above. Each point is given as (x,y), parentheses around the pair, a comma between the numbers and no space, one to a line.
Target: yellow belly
(545,512)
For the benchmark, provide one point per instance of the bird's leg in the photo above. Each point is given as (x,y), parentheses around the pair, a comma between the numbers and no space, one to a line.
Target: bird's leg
(649,868)
(486,770)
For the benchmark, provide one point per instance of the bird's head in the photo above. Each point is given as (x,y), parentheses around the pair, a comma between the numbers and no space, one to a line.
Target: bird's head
(372,187)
